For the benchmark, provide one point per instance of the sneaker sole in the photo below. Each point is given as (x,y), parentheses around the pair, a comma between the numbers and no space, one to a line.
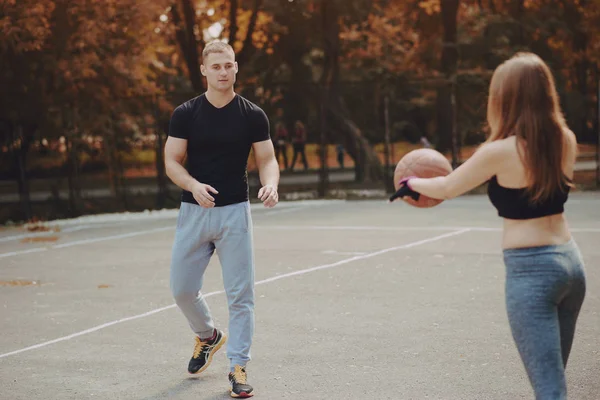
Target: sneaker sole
(242,395)
(220,344)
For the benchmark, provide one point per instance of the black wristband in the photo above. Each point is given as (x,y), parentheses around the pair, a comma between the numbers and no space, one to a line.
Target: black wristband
(405,191)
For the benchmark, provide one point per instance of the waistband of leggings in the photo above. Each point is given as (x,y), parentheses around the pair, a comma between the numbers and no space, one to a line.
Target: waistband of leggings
(551,248)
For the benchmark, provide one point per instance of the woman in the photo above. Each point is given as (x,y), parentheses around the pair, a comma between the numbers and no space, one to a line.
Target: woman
(528,160)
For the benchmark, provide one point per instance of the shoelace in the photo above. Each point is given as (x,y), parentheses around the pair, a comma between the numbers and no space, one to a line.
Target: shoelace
(198,347)
(239,375)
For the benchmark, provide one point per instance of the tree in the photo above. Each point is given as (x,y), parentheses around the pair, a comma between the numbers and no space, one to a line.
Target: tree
(368,165)
(446,94)
(24,28)
(191,23)
(70,64)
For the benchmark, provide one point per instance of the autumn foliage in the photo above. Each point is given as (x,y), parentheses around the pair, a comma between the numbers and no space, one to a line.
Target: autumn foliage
(86,83)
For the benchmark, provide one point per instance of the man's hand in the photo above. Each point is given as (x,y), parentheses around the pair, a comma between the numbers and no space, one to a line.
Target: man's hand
(268,195)
(201,193)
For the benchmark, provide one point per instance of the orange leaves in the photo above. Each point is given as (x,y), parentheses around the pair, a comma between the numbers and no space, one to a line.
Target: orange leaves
(68,63)
(19,283)
(430,6)
(387,38)
(39,239)
(24,26)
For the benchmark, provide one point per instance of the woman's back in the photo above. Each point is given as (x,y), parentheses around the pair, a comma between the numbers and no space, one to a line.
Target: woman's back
(510,181)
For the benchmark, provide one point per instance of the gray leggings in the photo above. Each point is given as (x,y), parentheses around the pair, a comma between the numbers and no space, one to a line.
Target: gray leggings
(545,288)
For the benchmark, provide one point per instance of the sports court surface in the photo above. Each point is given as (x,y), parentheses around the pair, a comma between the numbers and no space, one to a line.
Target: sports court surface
(354,299)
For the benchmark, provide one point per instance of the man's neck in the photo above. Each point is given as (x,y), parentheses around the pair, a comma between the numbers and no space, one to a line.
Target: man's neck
(219,99)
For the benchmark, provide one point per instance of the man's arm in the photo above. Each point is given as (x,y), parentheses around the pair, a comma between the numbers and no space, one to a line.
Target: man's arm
(268,171)
(175,152)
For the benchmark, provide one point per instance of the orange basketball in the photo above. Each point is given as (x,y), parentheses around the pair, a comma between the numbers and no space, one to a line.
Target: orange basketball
(422,163)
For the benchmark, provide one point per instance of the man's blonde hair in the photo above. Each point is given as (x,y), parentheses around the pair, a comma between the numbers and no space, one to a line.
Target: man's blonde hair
(215,47)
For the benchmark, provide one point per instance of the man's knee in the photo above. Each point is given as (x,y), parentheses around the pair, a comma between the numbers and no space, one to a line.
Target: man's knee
(185,297)
(241,298)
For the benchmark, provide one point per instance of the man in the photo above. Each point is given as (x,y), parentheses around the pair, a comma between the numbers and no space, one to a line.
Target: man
(215,132)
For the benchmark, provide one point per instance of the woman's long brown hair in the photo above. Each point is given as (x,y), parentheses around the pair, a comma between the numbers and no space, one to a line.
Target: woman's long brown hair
(523,102)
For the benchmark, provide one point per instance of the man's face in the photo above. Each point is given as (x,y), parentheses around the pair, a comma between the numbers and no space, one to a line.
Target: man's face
(220,70)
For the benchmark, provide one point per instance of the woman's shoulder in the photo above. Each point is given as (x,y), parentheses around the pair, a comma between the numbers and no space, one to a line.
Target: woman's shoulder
(571,138)
(501,146)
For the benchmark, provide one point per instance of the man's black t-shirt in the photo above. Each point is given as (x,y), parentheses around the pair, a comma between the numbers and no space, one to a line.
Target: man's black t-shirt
(219,143)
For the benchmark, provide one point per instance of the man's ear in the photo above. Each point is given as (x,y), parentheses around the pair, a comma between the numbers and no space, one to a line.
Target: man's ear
(236,67)
(202,69)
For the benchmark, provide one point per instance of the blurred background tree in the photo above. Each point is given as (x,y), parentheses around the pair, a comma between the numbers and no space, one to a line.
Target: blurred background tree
(88,87)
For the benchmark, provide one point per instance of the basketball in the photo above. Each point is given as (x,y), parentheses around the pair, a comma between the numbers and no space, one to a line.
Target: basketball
(422,163)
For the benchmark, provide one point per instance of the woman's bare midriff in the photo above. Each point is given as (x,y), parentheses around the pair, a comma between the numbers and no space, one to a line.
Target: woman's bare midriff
(544,231)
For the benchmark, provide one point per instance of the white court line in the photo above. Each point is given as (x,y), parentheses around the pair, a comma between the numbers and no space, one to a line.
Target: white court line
(395,228)
(46,233)
(16,253)
(85,241)
(282,208)
(125,235)
(101,239)
(262,282)
(94,329)
(371,228)
(159,215)
(294,207)
(368,255)
(287,227)
(285,210)
(344,253)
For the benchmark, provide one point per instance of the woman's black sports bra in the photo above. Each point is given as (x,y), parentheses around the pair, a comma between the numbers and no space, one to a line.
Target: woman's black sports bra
(513,203)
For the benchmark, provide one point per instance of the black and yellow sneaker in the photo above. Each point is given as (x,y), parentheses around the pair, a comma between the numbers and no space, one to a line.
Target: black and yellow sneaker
(204,351)
(239,383)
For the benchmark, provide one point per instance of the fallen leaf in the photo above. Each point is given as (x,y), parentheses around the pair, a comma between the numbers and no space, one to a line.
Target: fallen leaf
(40,239)
(18,283)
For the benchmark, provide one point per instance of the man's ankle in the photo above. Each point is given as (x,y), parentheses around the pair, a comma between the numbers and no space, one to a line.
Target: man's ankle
(232,367)
(211,338)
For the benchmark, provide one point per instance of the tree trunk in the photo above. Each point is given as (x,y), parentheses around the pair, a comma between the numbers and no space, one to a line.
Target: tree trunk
(72,162)
(516,11)
(325,84)
(161,175)
(582,70)
(117,167)
(323,172)
(233,26)
(72,166)
(20,148)
(389,182)
(248,49)
(121,179)
(187,42)
(115,174)
(597,126)
(112,162)
(446,127)
(367,163)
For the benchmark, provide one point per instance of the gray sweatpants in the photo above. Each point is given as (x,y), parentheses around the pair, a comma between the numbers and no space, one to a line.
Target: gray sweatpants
(228,230)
